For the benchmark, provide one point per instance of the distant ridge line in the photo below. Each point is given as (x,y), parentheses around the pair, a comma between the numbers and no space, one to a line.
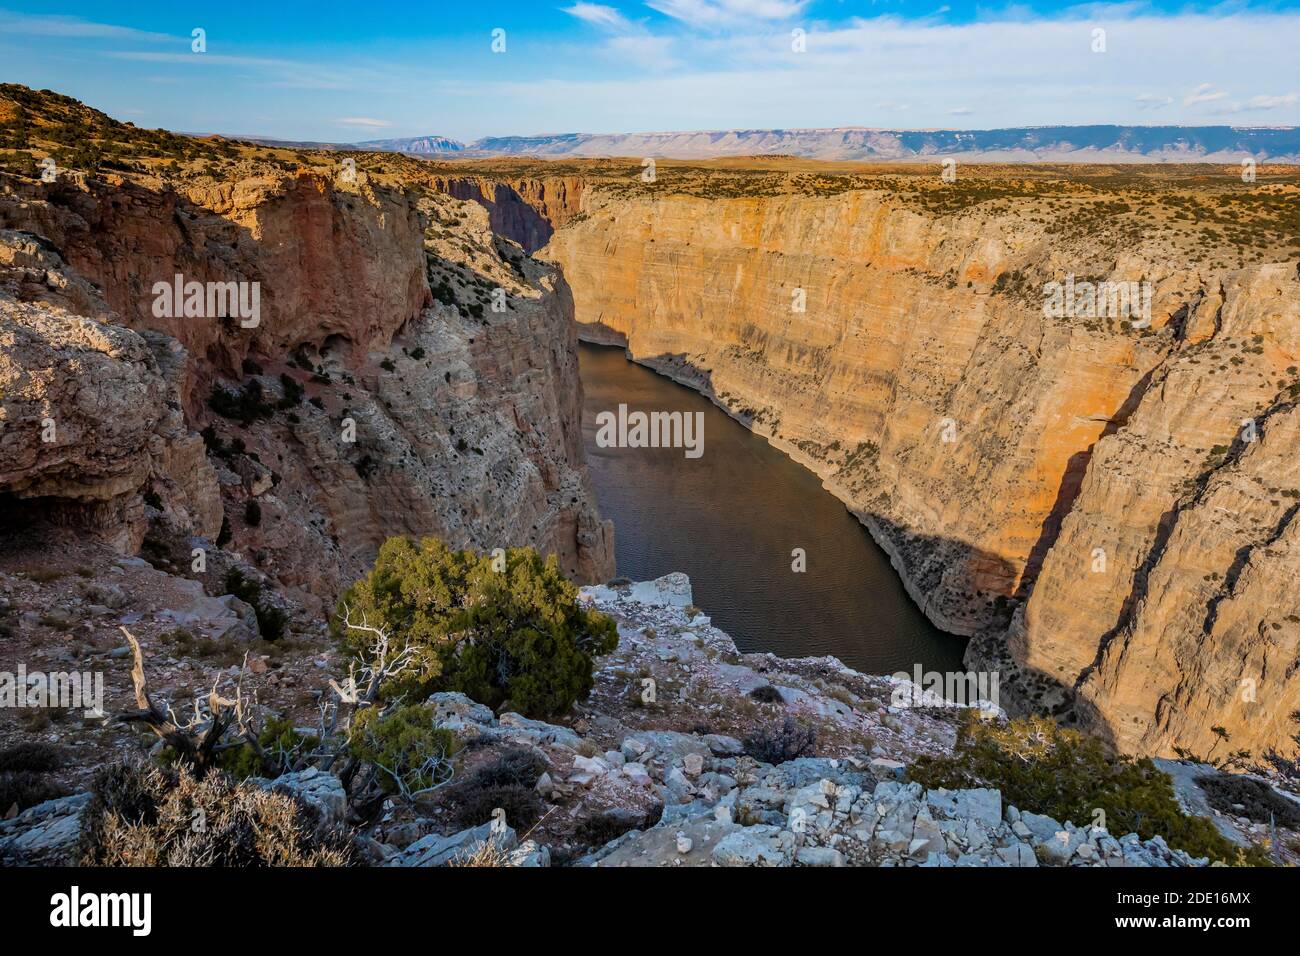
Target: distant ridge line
(1095,143)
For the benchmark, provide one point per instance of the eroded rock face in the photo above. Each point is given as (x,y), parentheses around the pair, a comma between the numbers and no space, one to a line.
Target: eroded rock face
(331,259)
(88,423)
(1192,503)
(382,410)
(527,210)
(472,436)
(991,449)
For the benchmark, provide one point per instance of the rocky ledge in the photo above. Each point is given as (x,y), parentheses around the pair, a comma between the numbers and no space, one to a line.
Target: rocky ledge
(661,767)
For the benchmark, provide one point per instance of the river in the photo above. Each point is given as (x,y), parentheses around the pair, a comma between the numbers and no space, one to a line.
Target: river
(731,519)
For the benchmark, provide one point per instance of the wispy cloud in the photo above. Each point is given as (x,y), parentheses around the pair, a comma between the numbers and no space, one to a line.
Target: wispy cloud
(201,59)
(273,71)
(1272,102)
(714,14)
(1205,93)
(1153,101)
(365,121)
(599,15)
(631,43)
(652,52)
(644,65)
(1030,70)
(1259,104)
(44,25)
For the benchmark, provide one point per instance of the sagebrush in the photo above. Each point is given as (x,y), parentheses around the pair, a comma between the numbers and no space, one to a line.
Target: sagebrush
(145,815)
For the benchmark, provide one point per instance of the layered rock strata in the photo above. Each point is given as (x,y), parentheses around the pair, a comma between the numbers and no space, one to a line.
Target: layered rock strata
(1074,493)
(409,374)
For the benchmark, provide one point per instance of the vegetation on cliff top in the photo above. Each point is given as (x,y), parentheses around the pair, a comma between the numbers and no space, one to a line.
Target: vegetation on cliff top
(1044,768)
(507,630)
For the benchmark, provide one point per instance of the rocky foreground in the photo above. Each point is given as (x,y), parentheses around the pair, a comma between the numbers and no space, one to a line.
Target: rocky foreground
(653,771)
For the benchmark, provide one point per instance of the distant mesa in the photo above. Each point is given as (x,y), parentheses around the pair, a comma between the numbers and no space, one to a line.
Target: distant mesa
(415,144)
(1027,144)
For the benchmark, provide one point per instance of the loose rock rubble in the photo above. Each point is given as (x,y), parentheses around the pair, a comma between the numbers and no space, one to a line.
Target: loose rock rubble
(668,797)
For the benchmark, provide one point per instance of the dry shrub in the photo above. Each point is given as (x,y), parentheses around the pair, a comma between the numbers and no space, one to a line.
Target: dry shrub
(32,757)
(505,783)
(143,815)
(778,744)
(472,806)
(23,781)
(24,789)
(488,853)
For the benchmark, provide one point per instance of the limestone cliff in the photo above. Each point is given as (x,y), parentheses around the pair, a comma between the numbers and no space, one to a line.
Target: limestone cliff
(526,209)
(893,337)
(380,393)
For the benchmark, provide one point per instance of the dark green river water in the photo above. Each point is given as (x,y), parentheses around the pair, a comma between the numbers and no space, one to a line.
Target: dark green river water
(731,518)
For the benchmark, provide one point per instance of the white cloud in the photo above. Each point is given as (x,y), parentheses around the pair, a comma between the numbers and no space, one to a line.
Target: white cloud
(1259,103)
(1033,71)
(599,15)
(18,24)
(272,71)
(1153,101)
(1272,102)
(1024,69)
(365,121)
(1205,93)
(713,14)
(632,43)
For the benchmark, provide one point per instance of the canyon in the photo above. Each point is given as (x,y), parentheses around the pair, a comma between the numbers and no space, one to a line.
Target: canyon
(383,392)
(1104,506)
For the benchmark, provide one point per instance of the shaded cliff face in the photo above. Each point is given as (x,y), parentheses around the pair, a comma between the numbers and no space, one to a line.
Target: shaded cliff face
(897,343)
(379,394)
(526,210)
(331,261)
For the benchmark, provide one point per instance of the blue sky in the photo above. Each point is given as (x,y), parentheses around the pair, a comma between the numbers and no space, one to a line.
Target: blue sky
(355,71)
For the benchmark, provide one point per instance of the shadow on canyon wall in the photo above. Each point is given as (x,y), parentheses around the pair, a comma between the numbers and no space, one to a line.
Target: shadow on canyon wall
(1067,493)
(123,238)
(527,211)
(509,214)
(953,583)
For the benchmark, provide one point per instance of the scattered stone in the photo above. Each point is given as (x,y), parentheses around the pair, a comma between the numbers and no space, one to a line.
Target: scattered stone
(318,789)
(755,846)
(435,850)
(721,745)
(44,835)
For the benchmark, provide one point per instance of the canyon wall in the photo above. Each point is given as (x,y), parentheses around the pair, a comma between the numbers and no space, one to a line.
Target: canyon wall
(380,393)
(526,210)
(1075,495)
